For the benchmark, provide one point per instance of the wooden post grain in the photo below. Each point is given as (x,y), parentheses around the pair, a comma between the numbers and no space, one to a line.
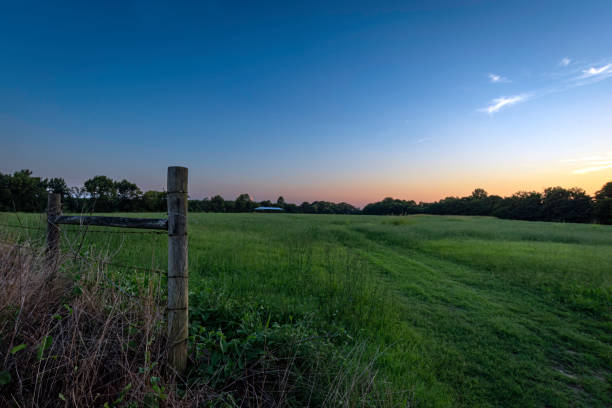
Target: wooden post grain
(178,300)
(54,208)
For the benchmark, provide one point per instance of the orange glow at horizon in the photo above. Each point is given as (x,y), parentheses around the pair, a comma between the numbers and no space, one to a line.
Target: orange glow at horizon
(434,188)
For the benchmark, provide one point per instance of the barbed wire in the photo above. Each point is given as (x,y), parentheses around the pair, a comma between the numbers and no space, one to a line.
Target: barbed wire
(114,284)
(91,259)
(102,262)
(125,292)
(22,227)
(12,244)
(120,265)
(84,232)
(88,231)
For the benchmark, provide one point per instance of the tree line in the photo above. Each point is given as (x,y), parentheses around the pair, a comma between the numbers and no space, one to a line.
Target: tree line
(21,191)
(554,204)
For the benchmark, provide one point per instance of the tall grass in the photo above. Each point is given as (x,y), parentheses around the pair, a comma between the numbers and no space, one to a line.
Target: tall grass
(72,339)
(444,311)
(84,335)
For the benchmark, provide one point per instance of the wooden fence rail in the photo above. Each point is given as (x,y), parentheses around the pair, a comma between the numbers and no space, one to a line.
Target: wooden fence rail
(178,271)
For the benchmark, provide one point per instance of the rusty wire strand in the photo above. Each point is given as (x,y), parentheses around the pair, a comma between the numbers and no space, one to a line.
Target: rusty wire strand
(88,231)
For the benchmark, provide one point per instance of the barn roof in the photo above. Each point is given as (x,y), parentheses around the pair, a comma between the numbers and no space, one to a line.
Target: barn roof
(268,209)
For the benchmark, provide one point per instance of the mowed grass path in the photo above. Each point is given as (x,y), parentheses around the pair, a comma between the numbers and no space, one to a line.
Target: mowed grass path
(468,311)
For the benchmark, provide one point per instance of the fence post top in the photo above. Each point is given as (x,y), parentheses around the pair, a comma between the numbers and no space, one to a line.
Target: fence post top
(177,179)
(54,202)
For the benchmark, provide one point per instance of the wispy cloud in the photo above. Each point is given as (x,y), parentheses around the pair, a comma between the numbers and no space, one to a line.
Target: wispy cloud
(591,164)
(494,78)
(423,140)
(504,101)
(592,71)
(585,159)
(579,74)
(593,168)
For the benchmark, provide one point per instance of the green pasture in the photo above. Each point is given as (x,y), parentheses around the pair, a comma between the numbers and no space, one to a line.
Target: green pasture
(460,311)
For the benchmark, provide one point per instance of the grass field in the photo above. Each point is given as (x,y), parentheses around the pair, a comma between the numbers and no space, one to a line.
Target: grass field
(466,311)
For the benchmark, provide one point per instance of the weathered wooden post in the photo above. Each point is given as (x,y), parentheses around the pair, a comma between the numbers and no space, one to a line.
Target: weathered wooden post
(54,208)
(178,299)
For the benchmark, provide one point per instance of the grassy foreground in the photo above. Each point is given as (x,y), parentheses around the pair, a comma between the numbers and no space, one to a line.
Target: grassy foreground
(459,311)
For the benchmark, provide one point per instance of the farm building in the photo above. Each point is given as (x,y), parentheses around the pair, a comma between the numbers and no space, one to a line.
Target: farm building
(268,209)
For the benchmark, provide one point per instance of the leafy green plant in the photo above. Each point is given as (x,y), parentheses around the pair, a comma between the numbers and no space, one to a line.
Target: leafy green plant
(44,345)
(17,348)
(234,346)
(5,377)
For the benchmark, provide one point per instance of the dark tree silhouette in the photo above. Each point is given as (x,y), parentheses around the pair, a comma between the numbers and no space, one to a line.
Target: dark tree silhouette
(22,191)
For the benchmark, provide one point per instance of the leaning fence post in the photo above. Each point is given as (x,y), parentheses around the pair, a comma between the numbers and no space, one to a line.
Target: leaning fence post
(54,208)
(178,299)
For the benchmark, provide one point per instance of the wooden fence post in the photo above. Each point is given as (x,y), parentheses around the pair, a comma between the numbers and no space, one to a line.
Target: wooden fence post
(178,298)
(54,208)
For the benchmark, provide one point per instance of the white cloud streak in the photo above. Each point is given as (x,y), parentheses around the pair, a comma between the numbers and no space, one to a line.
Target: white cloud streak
(585,159)
(580,74)
(593,169)
(591,164)
(592,71)
(494,78)
(504,101)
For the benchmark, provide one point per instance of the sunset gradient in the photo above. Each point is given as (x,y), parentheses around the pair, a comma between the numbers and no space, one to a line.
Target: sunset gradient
(334,101)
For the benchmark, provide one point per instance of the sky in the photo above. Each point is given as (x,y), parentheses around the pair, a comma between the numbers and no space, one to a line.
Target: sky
(340,101)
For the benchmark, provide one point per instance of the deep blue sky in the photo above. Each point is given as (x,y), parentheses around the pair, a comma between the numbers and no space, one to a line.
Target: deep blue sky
(340,101)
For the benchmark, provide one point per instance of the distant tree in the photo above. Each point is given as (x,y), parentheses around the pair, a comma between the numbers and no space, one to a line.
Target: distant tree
(22,192)
(391,206)
(5,192)
(198,205)
(206,204)
(479,194)
(102,191)
(480,203)
(564,205)
(291,208)
(322,207)
(603,204)
(230,206)
(449,205)
(100,187)
(76,200)
(127,190)
(346,208)
(605,192)
(524,205)
(57,185)
(128,195)
(306,208)
(243,203)
(217,204)
(494,201)
(154,201)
